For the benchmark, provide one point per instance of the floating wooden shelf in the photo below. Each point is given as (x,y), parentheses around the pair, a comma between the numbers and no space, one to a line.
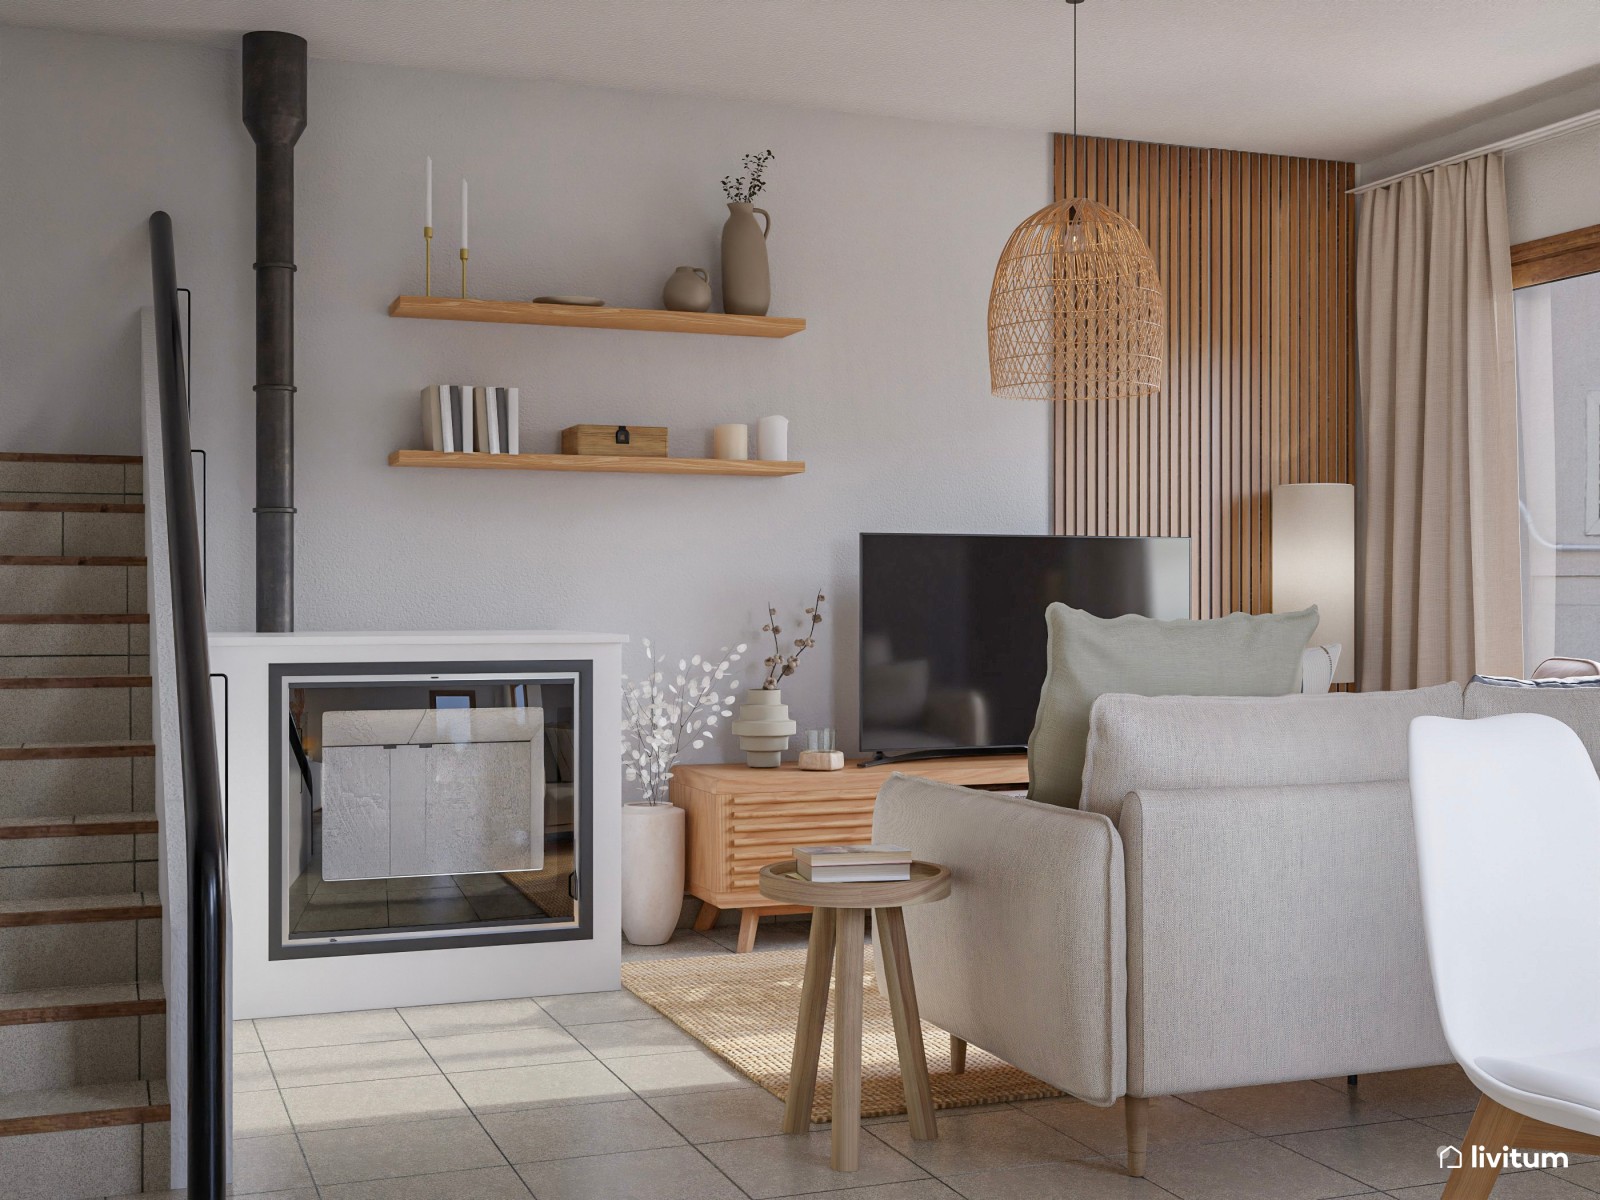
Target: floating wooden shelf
(636,464)
(576,316)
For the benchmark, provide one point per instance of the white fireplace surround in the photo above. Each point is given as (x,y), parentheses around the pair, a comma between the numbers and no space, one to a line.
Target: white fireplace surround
(264,986)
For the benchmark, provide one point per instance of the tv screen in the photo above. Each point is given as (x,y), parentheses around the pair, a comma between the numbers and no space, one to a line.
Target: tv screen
(953,632)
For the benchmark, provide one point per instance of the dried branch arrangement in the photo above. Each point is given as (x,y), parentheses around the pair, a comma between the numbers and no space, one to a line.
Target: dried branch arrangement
(780,665)
(743,189)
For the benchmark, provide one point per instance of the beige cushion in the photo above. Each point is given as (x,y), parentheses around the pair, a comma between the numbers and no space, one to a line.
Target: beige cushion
(1138,743)
(1238,655)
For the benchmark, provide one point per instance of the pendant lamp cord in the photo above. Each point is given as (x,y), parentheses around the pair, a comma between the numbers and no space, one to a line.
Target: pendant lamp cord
(1074,70)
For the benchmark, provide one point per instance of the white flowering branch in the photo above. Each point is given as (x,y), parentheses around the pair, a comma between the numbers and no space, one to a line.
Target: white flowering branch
(659,716)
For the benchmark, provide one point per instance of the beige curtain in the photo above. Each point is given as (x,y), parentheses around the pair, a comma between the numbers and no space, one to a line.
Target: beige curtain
(1441,594)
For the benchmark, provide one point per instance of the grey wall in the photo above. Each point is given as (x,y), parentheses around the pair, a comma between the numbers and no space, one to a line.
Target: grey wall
(885,235)
(1552,186)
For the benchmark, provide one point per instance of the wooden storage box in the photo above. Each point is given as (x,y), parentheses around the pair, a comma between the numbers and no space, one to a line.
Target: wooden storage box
(646,440)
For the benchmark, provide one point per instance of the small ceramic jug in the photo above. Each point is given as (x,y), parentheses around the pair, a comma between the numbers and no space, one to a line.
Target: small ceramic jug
(688,290)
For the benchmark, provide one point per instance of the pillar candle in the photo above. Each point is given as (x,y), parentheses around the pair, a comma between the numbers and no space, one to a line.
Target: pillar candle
(772,439)
(730,441)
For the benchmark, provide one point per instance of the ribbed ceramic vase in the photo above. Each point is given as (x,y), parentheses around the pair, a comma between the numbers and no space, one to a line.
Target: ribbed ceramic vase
(746,279)
(763,727)
(652,872)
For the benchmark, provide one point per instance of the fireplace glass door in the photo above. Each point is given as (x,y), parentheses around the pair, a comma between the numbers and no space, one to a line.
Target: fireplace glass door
(443,808)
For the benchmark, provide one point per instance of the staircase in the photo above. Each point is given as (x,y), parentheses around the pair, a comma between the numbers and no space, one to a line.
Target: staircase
(83,1108)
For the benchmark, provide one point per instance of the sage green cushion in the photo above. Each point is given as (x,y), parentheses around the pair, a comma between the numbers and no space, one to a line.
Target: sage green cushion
(1237,655)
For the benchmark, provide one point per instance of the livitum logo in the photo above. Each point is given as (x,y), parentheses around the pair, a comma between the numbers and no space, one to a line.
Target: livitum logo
(1507,1158)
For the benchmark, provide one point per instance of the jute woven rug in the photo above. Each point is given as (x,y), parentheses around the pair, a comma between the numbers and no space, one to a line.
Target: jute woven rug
(743,1008)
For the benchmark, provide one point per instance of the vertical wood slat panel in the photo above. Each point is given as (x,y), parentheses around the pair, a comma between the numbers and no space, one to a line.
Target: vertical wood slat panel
(1256,254)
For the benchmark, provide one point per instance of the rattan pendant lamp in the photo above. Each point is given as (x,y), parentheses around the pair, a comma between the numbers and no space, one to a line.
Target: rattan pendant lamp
(1076,310)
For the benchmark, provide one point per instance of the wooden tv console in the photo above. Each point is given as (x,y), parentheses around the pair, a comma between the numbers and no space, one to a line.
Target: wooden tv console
(742,818)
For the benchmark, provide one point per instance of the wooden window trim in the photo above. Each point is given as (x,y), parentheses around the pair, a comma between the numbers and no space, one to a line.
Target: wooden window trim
(1559,256)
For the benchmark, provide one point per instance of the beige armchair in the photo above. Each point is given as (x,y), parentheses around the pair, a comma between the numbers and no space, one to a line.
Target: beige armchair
(1237,903)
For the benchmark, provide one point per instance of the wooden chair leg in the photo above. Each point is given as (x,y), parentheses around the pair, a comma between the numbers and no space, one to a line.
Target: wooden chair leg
(706,917)
(1493,1126)
(958,1055)
(847,999)
(808,1032)
(894,958)
(1137,1111)
(749,918)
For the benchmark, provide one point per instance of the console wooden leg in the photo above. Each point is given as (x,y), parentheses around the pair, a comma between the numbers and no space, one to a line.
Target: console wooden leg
(958,1055)
(748,920)
(808,1033)
(894,957)
(847,1001)
(706,917)
(1493,1126)
(1137,1109)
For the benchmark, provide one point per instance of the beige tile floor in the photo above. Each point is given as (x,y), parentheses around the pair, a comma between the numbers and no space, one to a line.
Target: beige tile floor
(595,1097)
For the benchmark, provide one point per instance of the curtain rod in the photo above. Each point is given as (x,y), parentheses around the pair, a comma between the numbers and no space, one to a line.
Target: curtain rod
(1543,134)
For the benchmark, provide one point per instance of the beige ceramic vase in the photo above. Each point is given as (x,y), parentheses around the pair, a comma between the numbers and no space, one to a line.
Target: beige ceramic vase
(687,290)
(652,872)
(746,280)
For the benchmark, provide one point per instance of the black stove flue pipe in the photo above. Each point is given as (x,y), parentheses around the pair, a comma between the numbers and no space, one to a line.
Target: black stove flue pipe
(275,115)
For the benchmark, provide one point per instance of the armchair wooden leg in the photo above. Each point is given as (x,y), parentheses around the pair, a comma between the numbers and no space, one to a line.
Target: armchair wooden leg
(958,1055)
(1137,1110)
(1493,1126)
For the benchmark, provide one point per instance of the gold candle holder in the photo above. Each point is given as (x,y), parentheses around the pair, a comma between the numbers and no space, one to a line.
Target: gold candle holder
(427,260)
(463,272)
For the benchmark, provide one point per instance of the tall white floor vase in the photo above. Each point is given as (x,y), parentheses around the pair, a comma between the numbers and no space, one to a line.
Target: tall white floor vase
(652,872)
(763,727)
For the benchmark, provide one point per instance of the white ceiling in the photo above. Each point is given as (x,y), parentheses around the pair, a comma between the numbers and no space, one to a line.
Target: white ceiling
(1346,79)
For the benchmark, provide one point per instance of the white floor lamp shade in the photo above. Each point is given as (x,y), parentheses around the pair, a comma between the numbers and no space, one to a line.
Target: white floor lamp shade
(1314,561)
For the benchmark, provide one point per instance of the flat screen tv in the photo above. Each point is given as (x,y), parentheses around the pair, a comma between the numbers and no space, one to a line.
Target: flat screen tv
(953,631)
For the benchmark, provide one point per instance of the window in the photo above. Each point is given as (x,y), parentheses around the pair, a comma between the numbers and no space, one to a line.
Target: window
(1558,396)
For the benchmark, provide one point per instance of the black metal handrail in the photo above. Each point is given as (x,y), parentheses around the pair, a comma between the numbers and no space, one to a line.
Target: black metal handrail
(197,749)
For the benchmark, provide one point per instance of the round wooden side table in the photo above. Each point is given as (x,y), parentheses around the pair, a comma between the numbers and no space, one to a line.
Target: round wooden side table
(838,928)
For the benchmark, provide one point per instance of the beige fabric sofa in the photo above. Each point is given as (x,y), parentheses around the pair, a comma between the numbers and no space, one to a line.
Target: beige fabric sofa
(1237,903)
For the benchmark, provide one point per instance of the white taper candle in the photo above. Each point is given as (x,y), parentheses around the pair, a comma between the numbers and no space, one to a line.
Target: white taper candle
(463,214)
(427,218)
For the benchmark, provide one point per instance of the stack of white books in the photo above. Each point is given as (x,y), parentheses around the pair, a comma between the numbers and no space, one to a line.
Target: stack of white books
(852,864)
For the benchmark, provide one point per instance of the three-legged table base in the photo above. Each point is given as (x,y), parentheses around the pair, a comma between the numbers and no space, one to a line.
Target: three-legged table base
(837,936)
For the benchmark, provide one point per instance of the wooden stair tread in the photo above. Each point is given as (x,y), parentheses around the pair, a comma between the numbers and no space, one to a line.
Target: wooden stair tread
(82,825)
(72,560)
(74,618)
(17,456)
(74,681)
(86,1003)
(136,1102)
(69,506)
(31,752)
(79,910)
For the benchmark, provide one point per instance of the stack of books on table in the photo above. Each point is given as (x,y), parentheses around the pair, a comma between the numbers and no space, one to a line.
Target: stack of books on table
(852,864)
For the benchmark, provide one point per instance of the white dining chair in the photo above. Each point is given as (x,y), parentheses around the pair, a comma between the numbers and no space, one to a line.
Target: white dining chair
(1508,840)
